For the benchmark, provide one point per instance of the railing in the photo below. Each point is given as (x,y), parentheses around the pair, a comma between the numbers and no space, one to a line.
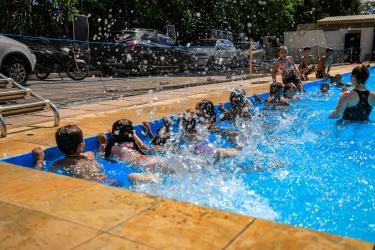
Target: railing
(20,109)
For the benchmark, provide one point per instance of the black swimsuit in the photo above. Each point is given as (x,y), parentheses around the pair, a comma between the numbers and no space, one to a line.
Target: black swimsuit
(361,111)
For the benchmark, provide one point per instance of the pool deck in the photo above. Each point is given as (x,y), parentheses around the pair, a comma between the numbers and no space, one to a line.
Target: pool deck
(41,210)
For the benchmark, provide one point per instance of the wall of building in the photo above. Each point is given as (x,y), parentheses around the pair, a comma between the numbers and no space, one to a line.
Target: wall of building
(367,36)
(330,38)
(300,39)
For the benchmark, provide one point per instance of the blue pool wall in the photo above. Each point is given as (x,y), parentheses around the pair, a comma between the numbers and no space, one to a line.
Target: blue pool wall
(53,153)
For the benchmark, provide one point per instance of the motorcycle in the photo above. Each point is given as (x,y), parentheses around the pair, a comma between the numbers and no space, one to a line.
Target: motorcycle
(60,60)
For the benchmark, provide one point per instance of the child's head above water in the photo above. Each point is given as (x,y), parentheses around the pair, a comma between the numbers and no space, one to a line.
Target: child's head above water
(122,132)
(282,52)
(329,52)
(189,122)
(206,110)
(360,74)
(237,98)
(69,140)
(306,51)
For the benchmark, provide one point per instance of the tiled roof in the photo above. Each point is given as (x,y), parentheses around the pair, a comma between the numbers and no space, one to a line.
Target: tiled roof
(347,19)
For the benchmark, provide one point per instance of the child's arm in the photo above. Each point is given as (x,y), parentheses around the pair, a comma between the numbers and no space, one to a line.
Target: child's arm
(102,139)
(139,142)
(39,158)
(147,126)
(274,71)
(301,64)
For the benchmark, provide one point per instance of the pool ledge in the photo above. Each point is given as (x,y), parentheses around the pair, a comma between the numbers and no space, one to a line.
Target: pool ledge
(41,210)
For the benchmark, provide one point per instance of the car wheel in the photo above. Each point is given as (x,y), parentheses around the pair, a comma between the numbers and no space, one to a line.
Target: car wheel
(142,67)
(17,70)
(211,64)
(234,63)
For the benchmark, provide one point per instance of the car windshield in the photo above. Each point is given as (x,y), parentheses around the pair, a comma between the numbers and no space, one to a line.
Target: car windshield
(208,43)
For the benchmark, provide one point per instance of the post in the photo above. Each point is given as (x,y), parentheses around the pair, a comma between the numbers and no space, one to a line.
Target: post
(251,60)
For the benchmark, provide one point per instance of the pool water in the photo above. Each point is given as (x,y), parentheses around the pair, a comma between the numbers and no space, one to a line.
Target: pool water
(296,167)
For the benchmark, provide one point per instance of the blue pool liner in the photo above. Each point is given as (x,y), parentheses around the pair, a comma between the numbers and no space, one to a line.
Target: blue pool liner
(53,153)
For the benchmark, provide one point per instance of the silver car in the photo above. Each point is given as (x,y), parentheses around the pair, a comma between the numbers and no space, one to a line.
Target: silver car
(16,60)
(213,54)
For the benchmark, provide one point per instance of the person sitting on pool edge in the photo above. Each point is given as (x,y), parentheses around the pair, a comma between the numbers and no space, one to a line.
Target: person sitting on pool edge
(241,107)
(324,65)
(307,64)
(77,163)
(276,97)
(356,105)
(289,71)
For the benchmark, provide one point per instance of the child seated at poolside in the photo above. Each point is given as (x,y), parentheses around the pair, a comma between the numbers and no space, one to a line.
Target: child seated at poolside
(307,64)
(125,146)
(276,97)
(324,65)
(77,163)
(285,65)
(241,107)
(207,117)
(200,146)
(163,133)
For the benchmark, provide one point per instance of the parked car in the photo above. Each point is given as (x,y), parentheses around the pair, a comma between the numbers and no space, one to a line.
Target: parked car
(213,54)
(16,60)
(141,51)
(244,53)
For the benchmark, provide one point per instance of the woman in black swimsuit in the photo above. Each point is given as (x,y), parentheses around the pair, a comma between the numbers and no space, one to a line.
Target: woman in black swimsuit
(356,105)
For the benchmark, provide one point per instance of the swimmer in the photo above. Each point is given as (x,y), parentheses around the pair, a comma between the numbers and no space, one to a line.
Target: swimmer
(285,65)
(290,91)
(357,104)
(125,146)
(200,146)
(276,97)
(163,134)
(207,117)
(241,107)
(76,162)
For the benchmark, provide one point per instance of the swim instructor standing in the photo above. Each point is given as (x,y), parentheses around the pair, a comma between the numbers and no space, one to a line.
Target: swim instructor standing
(356,105)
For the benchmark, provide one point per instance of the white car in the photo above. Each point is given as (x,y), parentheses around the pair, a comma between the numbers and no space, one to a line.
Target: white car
(213,53)
(16,60)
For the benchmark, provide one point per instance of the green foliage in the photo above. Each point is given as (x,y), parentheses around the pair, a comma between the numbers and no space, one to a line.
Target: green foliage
(254,18)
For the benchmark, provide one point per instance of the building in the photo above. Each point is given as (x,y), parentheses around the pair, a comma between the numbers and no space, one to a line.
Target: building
(352,37)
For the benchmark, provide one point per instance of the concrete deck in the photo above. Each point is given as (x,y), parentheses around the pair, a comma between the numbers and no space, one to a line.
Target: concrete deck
(41,210)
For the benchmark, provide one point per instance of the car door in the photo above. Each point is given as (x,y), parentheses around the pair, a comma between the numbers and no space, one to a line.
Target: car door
(220,52)
(152,51)
(170,52)
(230,52)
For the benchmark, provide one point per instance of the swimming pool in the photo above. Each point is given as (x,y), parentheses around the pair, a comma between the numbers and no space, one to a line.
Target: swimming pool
(297,167)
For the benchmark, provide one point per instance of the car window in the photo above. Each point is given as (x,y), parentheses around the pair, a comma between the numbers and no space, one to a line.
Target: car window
(221,45)
(229,45)
(166,40)
(150,37)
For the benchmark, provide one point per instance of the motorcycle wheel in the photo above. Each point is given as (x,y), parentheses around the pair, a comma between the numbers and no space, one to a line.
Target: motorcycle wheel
(42,75)
(77,72)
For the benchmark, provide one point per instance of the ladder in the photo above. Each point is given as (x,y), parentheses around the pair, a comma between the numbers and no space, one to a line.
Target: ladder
(20,93)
